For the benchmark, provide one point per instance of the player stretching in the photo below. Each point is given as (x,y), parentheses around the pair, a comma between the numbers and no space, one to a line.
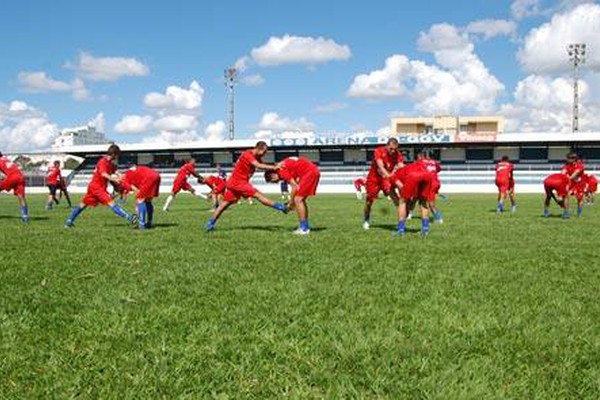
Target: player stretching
(216,185)
(62,186)
(385,160)
(433,167)
(238,185)
(414,184)
(145,181)
(96,190)
(506,184)
(575,171)
(303,176)
(53,178)
(180,183)
(591,188)
(557,187)
(359,184)
(14,180)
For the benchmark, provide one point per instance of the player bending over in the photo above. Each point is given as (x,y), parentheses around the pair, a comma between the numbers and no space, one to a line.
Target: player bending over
(557,188)
(180,183)
(303,176)
(216,185)
(575,170)
(413,183)
(96,190)
(359,184)
(53,178)
(14,180)
(591,188)
(238,185)
(386,159)
(145,182)
(433,168)
(506,184)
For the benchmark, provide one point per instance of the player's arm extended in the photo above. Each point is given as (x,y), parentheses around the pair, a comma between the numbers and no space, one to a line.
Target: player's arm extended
(111,178)
(265,167)
(381,169)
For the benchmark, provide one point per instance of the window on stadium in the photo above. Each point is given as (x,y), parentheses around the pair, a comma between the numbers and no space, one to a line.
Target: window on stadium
(533,154)
(204,159)
(332,156)
(480,154)
(589,153)
(282,154)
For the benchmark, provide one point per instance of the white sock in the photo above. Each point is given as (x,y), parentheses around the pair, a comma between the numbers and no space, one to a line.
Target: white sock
(168,203)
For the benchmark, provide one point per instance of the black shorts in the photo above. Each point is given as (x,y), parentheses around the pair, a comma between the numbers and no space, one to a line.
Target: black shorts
(53,189)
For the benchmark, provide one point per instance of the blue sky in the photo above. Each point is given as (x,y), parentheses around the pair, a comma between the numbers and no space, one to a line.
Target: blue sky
(182,41)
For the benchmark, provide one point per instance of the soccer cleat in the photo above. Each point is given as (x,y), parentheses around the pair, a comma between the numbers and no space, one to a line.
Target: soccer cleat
(546,214)
(566,214)
(301,232)
(69,224)
(398,234)
(424,234)
(409,217)
(133,220)
(25,219)
(366,225)
(513,209)
(209,226)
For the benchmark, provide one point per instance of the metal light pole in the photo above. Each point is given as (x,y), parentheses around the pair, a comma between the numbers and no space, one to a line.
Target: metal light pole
(576,53)
(230,82)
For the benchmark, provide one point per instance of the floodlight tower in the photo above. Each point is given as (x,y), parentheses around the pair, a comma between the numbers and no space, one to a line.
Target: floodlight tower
(576,53)
(230,83)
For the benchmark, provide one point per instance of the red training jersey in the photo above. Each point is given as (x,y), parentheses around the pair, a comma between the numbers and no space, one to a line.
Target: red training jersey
(504,171)
(296,168)
(389,161)
(53,175)
(186,170)
(104,166)
(135,176)
(244,169)
(8,167)
(430,165)
(213,181)
(571,168)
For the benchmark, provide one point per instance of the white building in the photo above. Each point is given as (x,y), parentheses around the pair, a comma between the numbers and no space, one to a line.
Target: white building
(78,136)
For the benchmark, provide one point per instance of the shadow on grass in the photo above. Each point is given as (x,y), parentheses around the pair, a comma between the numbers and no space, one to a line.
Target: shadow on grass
(18,217)
(164,225)
(393,228)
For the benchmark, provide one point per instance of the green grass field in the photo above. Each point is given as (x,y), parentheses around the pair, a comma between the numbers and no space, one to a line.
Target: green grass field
(488,306)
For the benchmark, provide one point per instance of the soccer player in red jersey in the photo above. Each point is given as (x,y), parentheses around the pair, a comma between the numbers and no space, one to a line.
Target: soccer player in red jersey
(591,188)
(433,168)
(303,176)
(53,178)
(14,180)
(413,183)
(386,159)
(145,182)
(62,186)
(180,183)
(238,185)
(575,170)
(557,187)
(359,184)
(96,190)
(506,184)
(217,187)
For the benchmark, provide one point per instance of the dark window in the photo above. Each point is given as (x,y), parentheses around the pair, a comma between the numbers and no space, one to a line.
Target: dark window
(332,156)
(203,158)
(164,160)
(281,154)
(589,153)
(128,159)
(533,153)
(478,154)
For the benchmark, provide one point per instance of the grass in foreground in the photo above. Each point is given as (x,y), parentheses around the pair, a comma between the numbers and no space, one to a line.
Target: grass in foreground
(487,307)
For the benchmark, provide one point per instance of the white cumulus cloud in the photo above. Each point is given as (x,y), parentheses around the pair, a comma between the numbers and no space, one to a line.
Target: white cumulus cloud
(132,124)
(490,28)
(521,9)
(272,124)
(307,50)
(25,128)
(544,48)
(40,82)
(176,98)
(94,68)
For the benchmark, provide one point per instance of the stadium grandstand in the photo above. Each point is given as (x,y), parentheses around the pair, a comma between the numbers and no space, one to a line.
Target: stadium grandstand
(467,147)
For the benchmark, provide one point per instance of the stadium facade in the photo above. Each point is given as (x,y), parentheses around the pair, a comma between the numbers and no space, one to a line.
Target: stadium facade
(468,147)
